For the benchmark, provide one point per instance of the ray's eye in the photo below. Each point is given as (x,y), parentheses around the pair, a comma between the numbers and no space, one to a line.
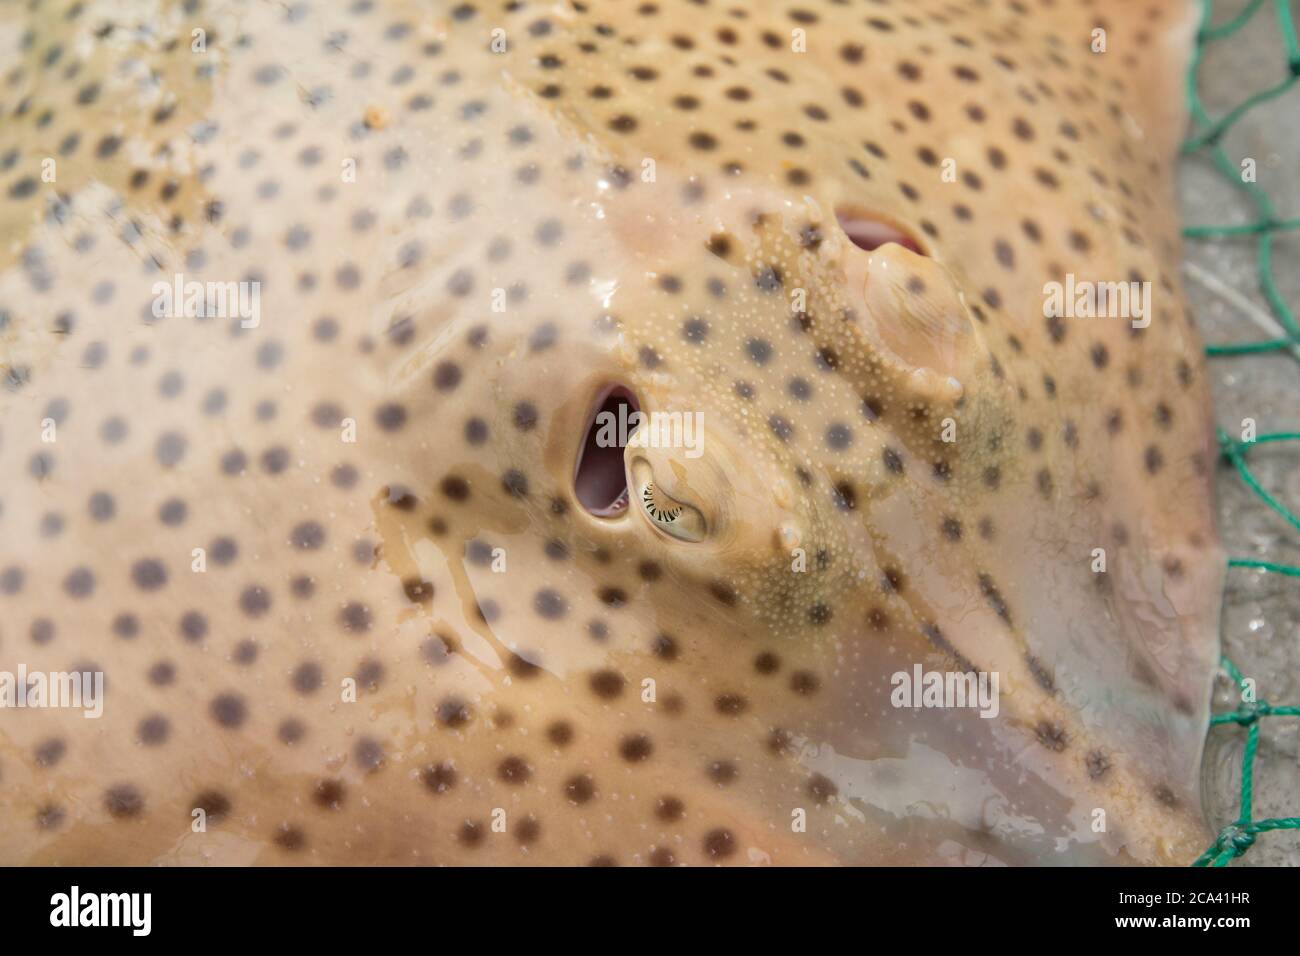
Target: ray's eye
(666,514)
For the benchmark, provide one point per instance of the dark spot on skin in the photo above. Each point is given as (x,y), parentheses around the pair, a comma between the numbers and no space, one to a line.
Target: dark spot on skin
(50,752)
(612,596)
(1044,482)
(455,488)
(123,801)
(515,483)
(228,710)
(289,837)
(839,436)
(369,754)
(695,330)
(669,809)
(50,817)
(329,794)
(560,733)
(635,748)
(525,416)
(724,593)
(79,583)
(1051,735)
(307,677)
(215,805)
(730,705)
(438,778)
(780,427)
(821,788)
(664,647)
(722,772)
(844,497)
(514,771)
(370,673)
(1153,459)
(768,279)
(550,604)
(291,731)
(307,536)
(607,684)
(580,789)
(153,730)
(453,712)
(1098,765)
(719,844)
(148,574)
(891,580)
(390,417)
(804,683)
(779,742)
(446,376)
(528,829)
(436,650)
(254,601)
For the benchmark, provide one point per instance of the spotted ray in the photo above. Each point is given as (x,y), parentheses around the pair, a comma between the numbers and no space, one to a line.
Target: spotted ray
(362,583)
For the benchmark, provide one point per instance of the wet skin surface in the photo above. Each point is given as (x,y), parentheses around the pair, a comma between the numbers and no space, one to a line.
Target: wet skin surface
(341,564)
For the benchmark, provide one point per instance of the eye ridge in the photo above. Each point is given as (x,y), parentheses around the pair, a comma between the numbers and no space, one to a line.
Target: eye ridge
(659,514)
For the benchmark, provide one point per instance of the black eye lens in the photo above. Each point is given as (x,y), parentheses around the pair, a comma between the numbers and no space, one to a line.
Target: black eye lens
(870,233)
(599,481)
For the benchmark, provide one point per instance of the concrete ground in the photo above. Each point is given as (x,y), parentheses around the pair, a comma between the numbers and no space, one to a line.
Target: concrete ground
(1261,618)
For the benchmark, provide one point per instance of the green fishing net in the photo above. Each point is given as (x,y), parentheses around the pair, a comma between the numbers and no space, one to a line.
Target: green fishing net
(1206,138)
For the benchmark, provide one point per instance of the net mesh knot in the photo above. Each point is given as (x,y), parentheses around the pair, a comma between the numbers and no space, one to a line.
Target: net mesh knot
(1235,838)
(1249,712)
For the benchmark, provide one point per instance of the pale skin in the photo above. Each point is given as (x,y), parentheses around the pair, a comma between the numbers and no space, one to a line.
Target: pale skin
(333,566)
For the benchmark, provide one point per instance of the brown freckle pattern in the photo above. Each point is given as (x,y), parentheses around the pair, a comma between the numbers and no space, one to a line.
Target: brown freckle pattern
(346,480)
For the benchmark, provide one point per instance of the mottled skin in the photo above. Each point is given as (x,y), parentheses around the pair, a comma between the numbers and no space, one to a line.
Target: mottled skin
(650,189)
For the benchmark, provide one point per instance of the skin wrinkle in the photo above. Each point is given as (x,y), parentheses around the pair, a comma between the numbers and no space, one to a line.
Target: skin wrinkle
(331,559)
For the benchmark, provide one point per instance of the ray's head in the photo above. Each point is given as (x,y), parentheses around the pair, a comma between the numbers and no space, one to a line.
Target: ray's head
(767,381)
